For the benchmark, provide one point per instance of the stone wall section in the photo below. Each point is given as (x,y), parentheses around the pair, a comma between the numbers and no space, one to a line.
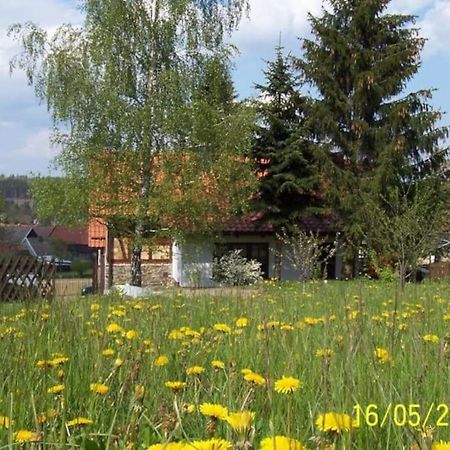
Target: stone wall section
(152,274)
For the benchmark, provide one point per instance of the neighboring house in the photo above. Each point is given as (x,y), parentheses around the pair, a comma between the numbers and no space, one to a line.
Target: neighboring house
(39,241)
(189,264)
(20,239)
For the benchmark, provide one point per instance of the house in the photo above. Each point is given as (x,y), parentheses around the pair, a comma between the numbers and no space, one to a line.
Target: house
(46,241)
(189,263)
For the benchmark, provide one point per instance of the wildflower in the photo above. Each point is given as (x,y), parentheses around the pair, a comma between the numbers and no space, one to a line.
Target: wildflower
(161,361)
(255,378)
(332,421)
(287,385)
(4,422)
(99,388)
(242,322)
(167,446)
(214,410)
(241,421)
(176,334)
(58,361)
(57,389)
(95,307)
(222,327)
(131,334)
(79,421)
(440,445)
(324,352)
(108,352)
(281,443)
(139,392)
(218,364)
(210,444)
(382,355)
(175,385)
(195,370)
(118,362)
(113,328)
(23,436)
(431,338)
(189,408)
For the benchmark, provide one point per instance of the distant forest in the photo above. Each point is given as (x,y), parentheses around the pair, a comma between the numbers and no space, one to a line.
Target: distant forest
(16,205)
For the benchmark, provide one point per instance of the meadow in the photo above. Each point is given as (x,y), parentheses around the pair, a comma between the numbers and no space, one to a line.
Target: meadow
(338,365)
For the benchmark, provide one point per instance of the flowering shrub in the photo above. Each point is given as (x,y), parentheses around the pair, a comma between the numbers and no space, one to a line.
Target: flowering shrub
(232,269)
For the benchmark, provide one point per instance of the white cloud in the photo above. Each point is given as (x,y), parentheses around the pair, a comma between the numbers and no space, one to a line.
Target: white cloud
(435,27)
(269,18)
(48,14)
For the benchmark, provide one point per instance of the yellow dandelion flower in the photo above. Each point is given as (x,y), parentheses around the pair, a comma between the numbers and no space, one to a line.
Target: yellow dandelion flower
(23,436)
(214,410)
(161,361)
(58,361)
(335,422)
(441,445)
(139,392)
(114,328)
(246,371)
(382,355)
(99,388)
(242,322)
(118,362)
(255,378)
(281,443)
(79,421)
(222,327)
(218,364)
(57,389)
(108,352)
(189,408)
(131,335)
(4,422)
(175,385)
(195,370)
(324,353)
(241,421)
(287,385)
(176,334)
(167,446)
(431,338)
(210,444)
(95,307)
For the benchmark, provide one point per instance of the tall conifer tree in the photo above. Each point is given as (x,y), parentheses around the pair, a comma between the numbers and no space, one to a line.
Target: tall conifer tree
(373,137)
(289,185)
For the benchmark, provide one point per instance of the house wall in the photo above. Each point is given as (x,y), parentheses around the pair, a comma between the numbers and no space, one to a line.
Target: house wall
(192,260)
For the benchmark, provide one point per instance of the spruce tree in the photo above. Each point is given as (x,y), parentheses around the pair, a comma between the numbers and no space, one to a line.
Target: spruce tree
(289,185)
(372,137)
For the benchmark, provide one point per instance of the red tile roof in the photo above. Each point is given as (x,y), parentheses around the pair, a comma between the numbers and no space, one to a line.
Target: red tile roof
(76,236)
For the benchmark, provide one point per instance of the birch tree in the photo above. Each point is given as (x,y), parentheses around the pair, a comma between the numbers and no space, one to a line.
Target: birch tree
(144,83)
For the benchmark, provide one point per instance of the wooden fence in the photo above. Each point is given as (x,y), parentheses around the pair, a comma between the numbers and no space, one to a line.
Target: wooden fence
(24,277)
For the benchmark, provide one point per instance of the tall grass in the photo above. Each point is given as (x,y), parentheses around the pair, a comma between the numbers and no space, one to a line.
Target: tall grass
(287,328)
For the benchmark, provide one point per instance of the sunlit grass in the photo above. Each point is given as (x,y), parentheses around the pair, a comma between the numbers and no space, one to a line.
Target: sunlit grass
(109,360)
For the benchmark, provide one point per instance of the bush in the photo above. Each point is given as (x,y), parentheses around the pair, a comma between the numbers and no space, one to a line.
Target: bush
(232,269)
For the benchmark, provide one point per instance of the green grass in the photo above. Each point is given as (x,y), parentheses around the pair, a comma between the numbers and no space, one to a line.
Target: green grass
(355,318)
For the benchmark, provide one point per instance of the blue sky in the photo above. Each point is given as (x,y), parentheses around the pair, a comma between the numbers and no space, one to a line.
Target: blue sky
(25,127)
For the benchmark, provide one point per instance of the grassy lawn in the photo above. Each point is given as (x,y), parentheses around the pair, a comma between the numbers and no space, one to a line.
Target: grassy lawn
(357,348)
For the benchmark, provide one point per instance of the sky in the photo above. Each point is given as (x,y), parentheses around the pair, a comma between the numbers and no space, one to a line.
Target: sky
(25,125)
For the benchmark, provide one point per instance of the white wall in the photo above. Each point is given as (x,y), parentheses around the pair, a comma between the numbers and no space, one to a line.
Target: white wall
(192,260)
